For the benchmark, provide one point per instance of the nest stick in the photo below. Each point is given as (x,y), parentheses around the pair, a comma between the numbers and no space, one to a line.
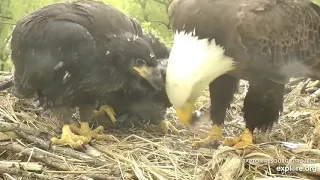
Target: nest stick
(4,127)
(97,175)
(70,152)
(93,161)
(27,166)
(36,154)
(295,81)
(316,94)
(304,86)
(32,136)
(17,170)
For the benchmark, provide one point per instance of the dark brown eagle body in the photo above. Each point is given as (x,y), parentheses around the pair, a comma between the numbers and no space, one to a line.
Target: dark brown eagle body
(159,49)
(270,41)
(72,52)
(144,106)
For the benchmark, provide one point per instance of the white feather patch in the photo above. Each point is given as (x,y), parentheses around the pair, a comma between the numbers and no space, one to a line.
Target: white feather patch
(192,65)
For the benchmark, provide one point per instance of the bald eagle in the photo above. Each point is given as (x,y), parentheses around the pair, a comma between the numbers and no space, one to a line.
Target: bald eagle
(218,42)
(73,54)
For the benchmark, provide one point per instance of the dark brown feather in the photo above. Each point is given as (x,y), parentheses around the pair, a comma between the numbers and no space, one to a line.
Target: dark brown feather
(75,53)
(263,34)
(271,41)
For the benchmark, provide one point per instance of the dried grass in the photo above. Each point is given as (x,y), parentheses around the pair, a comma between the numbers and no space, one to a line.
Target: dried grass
(140,154)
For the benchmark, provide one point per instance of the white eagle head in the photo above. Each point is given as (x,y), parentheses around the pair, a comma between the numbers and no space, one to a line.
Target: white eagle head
(193,64)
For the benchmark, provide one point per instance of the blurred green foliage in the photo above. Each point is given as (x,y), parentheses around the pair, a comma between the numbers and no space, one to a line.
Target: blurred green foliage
(152,14)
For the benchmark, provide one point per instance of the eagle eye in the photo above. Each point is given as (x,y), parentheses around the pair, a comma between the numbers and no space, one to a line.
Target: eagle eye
(140,62)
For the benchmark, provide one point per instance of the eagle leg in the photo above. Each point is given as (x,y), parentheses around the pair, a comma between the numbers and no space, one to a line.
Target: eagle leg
(85,112)
(69,138)
(214,136)
(166,127)
(105,109)
(241,142)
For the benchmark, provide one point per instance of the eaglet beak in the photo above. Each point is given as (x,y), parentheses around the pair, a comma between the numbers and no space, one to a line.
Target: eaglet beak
(152,75)
(185,114)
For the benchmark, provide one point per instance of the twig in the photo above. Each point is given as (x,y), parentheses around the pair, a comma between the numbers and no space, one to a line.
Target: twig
(316,94)
(9,23)
(50,161)
(45,144)
(67,151)
(102,177)
(311,89)
(6,17)
(9,176)
(17,127)
(79,155)
(36,154)
(16,170)
(27,166)
(295,81)
(32,136)
(7,136)
(92,174)
(304,86)
(314,84)
(6,85)
(6,73)
(78,172)
(34,139)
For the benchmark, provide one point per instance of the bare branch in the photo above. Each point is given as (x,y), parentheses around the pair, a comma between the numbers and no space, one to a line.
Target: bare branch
(6,22)
(163,2)
(6,17)
(162,23)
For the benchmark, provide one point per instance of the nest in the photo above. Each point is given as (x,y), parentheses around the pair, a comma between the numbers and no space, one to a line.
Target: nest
(25,149)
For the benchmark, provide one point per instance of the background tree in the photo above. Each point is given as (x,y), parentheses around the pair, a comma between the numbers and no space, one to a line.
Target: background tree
(152,14)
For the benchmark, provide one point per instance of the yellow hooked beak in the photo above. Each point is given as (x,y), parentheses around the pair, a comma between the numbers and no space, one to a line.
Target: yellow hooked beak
(152,75)
(185,114)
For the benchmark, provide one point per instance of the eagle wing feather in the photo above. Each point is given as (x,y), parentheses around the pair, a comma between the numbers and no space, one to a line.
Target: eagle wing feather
(285,30)
(54,47)
(276,37)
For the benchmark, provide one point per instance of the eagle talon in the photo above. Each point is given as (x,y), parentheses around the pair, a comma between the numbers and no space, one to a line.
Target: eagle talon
(166,127)
(71,139)
(231,141)
(212,140)
(105,109)
(85,131)
(206,144)
(241,142)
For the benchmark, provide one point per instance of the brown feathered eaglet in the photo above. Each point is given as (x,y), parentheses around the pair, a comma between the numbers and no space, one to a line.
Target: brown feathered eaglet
(147,108)
(75,53)
(218,42)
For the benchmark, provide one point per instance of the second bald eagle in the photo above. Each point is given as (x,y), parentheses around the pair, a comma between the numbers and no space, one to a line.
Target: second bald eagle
(218,42)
